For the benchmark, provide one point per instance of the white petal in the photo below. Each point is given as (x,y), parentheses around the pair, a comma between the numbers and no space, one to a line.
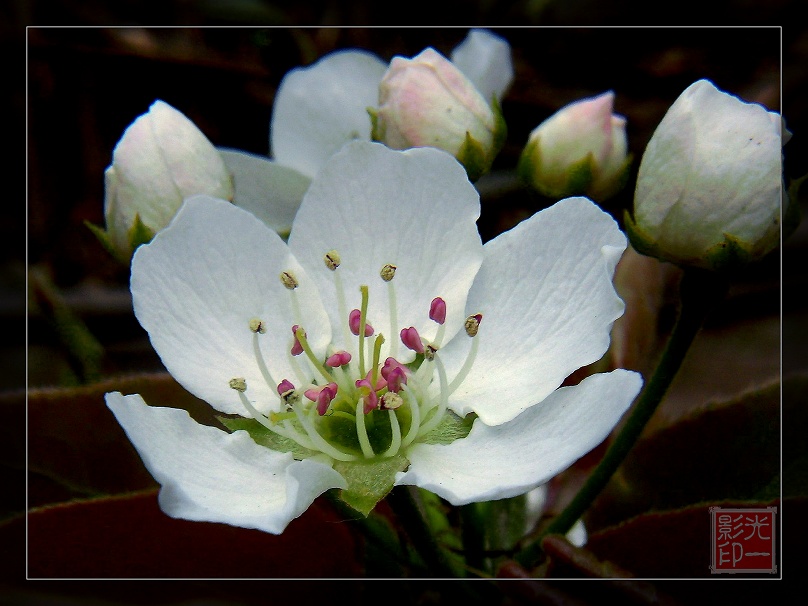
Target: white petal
(268,190)
(485,59)
(212,476)
(198,284)
(545,291)
(321,107)
(511,459)
(414,209)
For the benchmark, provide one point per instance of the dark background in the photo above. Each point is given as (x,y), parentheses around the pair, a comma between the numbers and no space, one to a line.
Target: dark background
(86,81)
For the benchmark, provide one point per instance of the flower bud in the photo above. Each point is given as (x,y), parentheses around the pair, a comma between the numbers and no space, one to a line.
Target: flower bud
(161,159)
(709,186)
(581,149)
(427,102)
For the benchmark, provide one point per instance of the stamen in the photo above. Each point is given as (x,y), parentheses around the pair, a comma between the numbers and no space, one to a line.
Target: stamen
(300,334)
(395,440)
(302,377)
(361,431)
(332,260)
(341,306)
(387,273)
(437,313)
(391,401)
(260,358)
(284,386)
(442,405)
(257,325)
(415,416)
(337,359)
(396,378)
(474,323)
(240,385)
(297,348)
(354,321)
(377,349)
(411,338)
(437,310)
(289,280)
(363,317)
(319,441)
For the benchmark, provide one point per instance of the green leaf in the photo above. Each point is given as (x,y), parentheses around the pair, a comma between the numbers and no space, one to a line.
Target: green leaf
(369,480)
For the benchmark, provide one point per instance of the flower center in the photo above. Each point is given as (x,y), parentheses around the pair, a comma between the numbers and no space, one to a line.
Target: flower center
(359,407)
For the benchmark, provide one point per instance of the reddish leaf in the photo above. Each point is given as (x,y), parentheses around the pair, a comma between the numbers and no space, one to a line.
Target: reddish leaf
(663,544)
(130,537)
(728,451)
(75,446)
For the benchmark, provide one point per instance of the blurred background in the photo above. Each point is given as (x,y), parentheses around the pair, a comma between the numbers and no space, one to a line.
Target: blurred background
(91,68)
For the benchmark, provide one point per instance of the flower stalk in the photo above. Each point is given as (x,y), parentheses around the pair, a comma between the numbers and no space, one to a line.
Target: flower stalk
(699,290)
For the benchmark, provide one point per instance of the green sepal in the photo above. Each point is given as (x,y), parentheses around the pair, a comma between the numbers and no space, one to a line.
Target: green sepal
(729,254)
(579,177)
(450,428)
(376,130)
(724,257)
(138,233)
(106,241)
(369,480)
(615,184)
(264,437)
(576,178)
(473,157)
(524,166)
(500,129)
(640,240)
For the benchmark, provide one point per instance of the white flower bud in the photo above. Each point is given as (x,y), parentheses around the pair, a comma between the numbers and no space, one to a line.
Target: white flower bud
(427,102)
(709,186)
(161,159)
(581,149)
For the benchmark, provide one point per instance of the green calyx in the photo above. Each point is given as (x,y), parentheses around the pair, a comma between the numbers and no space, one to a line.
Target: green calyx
(726,256)
(369,479)
(138,233)
(474,156)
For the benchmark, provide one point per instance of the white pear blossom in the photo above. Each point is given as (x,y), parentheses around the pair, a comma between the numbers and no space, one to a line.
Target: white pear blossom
(384,345)
(710,183)
(319,108)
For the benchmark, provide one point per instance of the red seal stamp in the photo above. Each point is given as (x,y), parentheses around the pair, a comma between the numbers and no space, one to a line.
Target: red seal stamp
(743,540)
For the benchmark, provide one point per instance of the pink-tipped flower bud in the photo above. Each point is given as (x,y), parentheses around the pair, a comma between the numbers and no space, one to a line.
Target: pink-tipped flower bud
(579,150)
(426,101)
